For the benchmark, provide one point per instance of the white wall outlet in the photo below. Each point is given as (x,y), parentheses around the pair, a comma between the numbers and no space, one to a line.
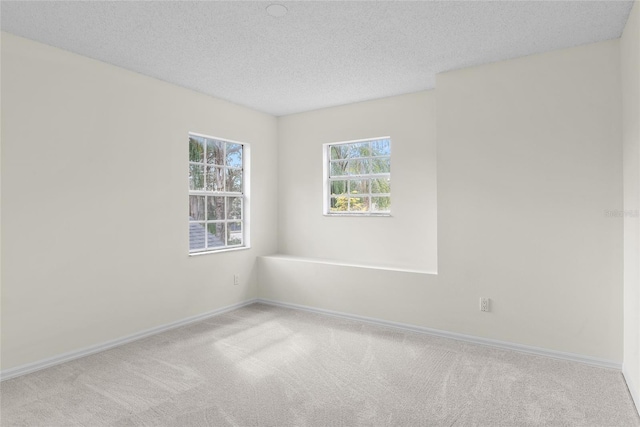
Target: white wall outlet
(484,304)
(236,279)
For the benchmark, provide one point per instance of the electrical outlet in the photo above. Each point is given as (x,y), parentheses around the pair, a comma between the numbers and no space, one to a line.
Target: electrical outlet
(236,279)
(484,304)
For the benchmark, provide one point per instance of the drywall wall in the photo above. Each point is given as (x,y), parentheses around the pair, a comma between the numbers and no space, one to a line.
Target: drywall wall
(630,67)
(94,194)
(406,239)
(529,160)
(529,165)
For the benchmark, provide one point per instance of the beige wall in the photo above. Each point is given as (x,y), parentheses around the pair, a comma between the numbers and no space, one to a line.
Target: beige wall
(94,226)
(406,239)
(630,55)
(94,192)
(529,160)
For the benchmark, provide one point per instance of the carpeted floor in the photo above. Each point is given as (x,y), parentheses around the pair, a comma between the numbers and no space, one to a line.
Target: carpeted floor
(269,366)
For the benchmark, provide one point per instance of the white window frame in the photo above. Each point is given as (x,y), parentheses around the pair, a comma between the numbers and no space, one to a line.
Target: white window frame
(327,179)
(243,194)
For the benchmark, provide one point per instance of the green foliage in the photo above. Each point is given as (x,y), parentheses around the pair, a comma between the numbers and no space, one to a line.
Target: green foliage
(344,203)
(196,177)
(196,150)
(381,203)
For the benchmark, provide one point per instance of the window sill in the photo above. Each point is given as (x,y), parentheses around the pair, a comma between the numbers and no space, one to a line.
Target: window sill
(349,264)
(218,251)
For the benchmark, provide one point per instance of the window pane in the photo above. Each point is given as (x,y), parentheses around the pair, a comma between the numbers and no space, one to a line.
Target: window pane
(381,147)
(234,236)
(234,207)
(338,168)
(234,155)
(358,204)
(196,177)
(215,178)
(338,187)
(216,218)
(339,152)
(358,167)
(381,185)
(339,204)
(382,165)
(379,204)
(215,235)
(215,208)
(359,149)
(196,149)
(196,236)
(358,172)
(215,153)
(234,180)
(360,186)
(196,208)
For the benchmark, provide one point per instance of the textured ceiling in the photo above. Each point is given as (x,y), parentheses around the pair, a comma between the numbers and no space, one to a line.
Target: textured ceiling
(319,54)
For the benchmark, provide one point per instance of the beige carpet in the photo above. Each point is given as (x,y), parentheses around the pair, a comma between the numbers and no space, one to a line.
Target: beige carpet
(268,366)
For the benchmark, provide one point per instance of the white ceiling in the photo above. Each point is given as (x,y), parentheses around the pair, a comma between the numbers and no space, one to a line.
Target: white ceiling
(320,54)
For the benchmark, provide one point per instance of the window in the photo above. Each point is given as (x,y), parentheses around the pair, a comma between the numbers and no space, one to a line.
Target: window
(217,196)
(358,177)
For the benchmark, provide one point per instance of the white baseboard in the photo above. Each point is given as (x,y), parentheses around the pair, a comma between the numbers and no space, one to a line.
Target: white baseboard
(66,357)
(602,363)
(633,388)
